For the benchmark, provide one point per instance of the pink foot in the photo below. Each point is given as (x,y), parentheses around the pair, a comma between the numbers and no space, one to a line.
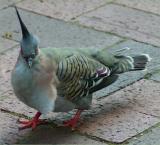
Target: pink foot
(73,122)
(32,123)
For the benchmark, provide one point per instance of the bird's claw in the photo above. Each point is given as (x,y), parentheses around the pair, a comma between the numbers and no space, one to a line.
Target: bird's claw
(70,123)
(73,121)
(31,123)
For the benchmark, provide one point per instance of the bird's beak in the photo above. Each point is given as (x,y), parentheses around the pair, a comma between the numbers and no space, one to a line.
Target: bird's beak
(30,62)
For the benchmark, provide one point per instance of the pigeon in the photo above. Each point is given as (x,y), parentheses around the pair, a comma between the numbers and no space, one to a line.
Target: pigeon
(59,80)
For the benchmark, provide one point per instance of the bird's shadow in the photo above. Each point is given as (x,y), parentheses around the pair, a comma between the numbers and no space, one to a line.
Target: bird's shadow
(53,133)
(47,134)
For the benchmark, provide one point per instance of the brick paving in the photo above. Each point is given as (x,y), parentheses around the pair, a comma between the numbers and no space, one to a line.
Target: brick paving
(127,112)
(124,21)
(62,9)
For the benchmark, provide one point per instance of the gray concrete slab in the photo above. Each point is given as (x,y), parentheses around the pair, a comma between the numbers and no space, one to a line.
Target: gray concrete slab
(62,9)
(124,21)
(54,33)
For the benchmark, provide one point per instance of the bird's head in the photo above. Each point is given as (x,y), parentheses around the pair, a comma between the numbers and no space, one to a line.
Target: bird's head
(29,43)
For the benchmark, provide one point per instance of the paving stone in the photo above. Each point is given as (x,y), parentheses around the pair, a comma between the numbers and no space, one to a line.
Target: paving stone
(6,44)
(62,9)
(142,96)
(130,77)
(6,3)
(54,33)
(51,135)
(11,103)
(7,62)
(124,21)
(149,138)
(156,76)
(9,133)
(117,126)
(146,5)
(125,113)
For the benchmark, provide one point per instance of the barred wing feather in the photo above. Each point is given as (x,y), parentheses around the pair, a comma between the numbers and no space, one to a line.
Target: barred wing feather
(79,75)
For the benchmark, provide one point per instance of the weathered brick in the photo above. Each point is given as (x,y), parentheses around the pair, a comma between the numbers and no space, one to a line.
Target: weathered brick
(6,3)
(54,33)
(146,5)
(62,9)
(7,62)
(125,113)
(124,21)
(118,124)
(6,44)
(9,133)
(142,96)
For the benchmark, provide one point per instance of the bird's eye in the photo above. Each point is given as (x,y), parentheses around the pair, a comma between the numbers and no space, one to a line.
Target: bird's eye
(26,58)
(30,56)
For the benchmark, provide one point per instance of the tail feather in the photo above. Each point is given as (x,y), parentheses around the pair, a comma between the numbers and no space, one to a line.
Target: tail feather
(128,63)
(141,61)
(124,64)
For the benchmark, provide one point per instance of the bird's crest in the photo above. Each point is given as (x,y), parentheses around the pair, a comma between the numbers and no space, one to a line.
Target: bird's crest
(24,29)
(29,42)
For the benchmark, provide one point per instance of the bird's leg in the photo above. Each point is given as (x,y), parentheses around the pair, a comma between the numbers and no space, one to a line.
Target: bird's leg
(73,121)
(32,123)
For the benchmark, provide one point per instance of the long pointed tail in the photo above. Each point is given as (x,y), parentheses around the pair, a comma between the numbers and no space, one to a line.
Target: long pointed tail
(129,63)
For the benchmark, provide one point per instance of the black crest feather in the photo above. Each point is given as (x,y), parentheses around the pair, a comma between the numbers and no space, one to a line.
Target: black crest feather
(24,29)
